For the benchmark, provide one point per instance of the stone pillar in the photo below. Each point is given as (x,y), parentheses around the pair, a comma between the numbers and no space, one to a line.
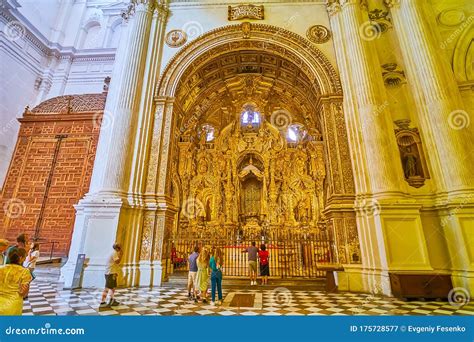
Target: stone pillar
(384,212)
(446,131)
(123,102)
(110,211)
(160,212)
(58,30)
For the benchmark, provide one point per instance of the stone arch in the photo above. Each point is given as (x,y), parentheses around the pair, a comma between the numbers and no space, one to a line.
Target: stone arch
(261,36)
(463,54)
(324,83)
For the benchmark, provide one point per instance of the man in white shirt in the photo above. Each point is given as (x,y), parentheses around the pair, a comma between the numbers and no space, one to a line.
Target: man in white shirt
(112,270)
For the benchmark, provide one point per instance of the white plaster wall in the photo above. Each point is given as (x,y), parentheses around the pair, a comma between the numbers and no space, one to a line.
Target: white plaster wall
(16,90)
(40,13)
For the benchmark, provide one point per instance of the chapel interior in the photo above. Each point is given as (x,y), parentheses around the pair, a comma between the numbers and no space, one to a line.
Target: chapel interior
(336,132)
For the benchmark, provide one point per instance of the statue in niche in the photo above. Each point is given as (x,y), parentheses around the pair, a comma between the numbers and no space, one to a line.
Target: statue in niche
(410,163)
(411,154)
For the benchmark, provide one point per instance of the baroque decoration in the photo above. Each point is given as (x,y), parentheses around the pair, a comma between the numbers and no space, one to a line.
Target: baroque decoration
(250,176)
(318,34)
(381,19)
(176,38)
(392,74)
(245,12)
(242,150)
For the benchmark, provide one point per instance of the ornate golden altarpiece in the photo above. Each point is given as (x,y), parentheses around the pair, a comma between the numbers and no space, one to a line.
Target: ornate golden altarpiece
(248,180)
(251,179)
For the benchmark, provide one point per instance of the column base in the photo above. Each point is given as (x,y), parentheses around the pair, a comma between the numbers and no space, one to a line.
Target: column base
(356,278)
(463,280)
(150,273)
(95,232)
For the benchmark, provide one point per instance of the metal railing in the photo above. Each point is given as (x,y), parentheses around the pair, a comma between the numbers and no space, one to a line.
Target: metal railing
(289,256)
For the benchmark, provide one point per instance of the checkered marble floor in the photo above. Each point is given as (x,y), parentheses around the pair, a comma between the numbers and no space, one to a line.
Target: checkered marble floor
(49,298)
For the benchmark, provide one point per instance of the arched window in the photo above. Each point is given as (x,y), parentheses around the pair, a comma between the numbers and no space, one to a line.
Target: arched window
(209,131)
(92,35)
(250,117)
(296,133)
(115,33)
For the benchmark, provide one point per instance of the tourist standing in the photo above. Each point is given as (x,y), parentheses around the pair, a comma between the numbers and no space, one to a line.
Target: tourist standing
(252,260)
(32,258)
(3,248)
(202,277)
(112,271)
(14,283)
(192,286)
(263,257)
(20,243)
(215,263)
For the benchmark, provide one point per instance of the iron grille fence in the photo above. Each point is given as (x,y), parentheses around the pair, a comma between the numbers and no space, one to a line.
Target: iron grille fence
(290,255)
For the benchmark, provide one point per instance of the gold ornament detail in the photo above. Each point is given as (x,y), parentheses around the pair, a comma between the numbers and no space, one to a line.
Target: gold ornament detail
(318,34)
(176,38)
(245,12)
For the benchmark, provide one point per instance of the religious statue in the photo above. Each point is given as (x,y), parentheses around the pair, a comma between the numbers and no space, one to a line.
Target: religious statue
(410,163)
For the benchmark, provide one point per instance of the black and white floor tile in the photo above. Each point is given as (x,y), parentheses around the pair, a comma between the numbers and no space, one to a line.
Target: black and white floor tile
(49,298)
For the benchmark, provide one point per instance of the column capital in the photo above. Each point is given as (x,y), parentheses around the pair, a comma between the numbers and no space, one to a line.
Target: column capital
(392,3)
(362,3)
(333,7)
(161,9)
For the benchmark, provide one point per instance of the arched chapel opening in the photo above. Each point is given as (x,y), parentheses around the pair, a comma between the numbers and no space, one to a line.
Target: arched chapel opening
(257,151)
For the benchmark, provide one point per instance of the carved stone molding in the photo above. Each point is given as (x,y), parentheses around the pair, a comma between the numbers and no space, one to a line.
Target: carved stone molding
(393,75)
(176,38)
(318,34)
(245,12)
(284,43)
(381,19)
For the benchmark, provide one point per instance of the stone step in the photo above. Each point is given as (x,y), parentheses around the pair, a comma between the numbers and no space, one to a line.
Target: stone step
(316,284)
(47,260)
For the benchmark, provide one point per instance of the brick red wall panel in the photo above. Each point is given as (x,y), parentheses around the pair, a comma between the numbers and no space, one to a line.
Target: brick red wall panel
(73,134)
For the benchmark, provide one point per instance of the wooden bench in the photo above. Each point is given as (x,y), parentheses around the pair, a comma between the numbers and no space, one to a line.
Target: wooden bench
(331,285)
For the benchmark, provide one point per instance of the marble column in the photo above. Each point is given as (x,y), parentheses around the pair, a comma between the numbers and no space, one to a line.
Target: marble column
(110,212)
(446,131)
(384,211)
